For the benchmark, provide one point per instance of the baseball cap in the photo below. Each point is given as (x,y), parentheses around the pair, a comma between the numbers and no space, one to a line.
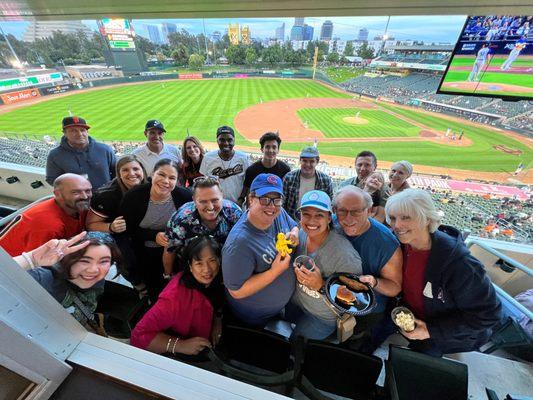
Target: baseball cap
(316,199)
(266,183)
(74,121)
(309,152)
(154,123)
(225,129)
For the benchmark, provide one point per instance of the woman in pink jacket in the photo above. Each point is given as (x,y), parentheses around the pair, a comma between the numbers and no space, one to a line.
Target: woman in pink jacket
(187,316)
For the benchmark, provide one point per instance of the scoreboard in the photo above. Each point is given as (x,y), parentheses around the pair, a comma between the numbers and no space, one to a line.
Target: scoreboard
(119,33)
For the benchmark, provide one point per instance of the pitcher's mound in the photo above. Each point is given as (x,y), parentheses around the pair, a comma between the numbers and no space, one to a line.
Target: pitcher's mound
(355,120)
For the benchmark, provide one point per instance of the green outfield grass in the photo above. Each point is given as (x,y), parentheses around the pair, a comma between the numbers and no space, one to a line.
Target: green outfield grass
(119,113)
(380,124)
(462,61)
(342,74)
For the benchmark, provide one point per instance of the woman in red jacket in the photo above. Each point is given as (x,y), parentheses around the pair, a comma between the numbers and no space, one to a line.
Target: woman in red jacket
(186,317)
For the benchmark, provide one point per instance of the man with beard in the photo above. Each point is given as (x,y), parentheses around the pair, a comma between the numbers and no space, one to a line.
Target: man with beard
(59,218)
(78,153)
(228,165)
(155,149)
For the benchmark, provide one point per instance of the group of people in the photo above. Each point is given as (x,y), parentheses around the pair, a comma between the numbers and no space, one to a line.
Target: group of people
(196,232)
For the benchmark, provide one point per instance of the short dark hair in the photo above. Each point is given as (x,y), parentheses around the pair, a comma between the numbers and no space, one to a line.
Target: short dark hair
(366,153)
(268,137)
(205,182)
(192,251)
(167,161)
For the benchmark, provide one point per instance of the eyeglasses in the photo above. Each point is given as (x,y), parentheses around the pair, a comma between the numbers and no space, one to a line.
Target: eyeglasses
(266,201)
(354,213)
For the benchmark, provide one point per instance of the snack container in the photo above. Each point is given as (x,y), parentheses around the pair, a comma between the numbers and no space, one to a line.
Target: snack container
(394,313)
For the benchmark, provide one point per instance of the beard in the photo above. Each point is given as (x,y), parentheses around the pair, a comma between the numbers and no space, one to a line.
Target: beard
(82,205)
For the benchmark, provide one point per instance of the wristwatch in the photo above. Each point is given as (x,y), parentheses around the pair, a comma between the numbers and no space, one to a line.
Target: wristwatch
(167,276)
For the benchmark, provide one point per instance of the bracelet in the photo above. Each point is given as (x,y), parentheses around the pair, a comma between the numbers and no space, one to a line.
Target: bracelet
(28,259)
(168,344)
(377,283)
(174,347)
(111,230)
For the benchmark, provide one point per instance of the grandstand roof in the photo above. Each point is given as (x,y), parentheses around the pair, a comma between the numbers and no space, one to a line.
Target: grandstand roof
(74,9)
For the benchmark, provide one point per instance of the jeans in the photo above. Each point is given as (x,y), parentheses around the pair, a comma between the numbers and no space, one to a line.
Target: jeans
(308,325)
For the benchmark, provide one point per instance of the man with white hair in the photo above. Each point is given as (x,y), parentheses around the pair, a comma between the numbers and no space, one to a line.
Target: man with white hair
(380,251)
(59,218)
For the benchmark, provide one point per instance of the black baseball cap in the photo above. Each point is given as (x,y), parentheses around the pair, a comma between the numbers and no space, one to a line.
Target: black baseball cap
(154,123)
(225,129)
(74,121)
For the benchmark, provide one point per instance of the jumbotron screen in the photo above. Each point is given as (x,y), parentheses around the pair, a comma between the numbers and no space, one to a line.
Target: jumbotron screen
(493,58)
(119,33)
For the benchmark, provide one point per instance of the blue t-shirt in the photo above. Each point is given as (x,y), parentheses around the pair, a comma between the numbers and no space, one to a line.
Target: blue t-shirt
(250,251)
(375,247)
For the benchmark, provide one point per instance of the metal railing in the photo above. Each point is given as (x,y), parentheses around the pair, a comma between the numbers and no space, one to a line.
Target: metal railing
(4,221)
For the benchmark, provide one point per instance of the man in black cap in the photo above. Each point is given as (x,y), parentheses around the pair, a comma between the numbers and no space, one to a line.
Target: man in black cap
(155,149)
(228,165)
(78,153)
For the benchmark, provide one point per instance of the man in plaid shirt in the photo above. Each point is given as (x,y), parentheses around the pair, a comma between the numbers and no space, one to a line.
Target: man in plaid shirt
(300,181)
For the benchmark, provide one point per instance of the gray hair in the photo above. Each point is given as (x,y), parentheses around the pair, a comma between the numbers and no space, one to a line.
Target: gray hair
(406,165)
(417,204)
(355,190)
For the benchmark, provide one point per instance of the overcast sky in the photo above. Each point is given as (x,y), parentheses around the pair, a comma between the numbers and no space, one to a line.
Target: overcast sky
(426,28)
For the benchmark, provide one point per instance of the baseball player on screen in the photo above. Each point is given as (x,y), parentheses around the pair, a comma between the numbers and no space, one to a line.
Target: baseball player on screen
(519,45)
(481,59)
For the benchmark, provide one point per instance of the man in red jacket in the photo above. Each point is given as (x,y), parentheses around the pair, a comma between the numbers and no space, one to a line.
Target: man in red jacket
(59,218)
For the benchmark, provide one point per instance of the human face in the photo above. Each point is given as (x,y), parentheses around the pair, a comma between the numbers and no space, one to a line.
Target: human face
(77,136)
(92,267)
(407,229)
(154,136)
(208,202)
(193,151)
(352,213)
(270,150)
(225,143)
(398,175)
(315,222)
(131,174)
(308,166)
(164,180)
(74,195)
(264,215)
(374,181)
(206,268)
(364,166)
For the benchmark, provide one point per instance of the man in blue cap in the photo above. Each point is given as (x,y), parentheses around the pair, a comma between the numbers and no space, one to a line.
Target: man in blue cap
(155,149)
(259,282)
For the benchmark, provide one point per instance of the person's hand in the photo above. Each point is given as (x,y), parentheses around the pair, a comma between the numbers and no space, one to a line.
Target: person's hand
(192,346)
(293,236)
(161,239)
(420,333)
(280,264)
(312,279)
(370,279)
(118,225)
(54,250)
(216,331)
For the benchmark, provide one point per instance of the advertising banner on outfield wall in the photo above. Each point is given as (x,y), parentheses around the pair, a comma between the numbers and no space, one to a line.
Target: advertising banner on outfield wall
(56,89)
(190,76)
(21,95)
(26,81)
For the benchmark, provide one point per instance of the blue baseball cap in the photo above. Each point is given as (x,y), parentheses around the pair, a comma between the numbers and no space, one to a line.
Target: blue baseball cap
(309,152)
(316,199)
(266,183)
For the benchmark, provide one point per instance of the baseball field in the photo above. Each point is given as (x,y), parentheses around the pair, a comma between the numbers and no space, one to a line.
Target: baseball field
(301,110)
(517,81)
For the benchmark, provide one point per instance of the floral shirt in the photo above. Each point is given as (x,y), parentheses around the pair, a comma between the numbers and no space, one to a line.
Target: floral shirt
(186,224)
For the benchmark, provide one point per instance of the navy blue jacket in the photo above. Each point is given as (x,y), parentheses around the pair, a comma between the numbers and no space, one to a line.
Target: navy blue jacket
(97,161)
(460,302)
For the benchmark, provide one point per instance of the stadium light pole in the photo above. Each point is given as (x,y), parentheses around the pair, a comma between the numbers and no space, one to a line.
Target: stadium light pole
(17,60)
(384,38)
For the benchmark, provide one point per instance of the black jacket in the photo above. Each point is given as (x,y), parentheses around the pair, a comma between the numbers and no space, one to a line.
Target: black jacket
(460,302)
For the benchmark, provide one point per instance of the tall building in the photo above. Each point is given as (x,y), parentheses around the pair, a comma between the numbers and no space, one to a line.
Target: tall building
(43,29)
(297,33)
(327,31)
(280,33)
(153,34)
(299,21)
(363,34)
(167,29)
(308,32)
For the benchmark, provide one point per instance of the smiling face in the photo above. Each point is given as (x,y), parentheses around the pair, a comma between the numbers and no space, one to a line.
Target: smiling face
(164,180)
(398,175)
(225,143)
(208,202)
(77,136)
(364,166)
(155,137)
(270,150)
(408,229)
(264,216)
(352,213)
(206,267)
(315,222)
(308,166)
(92,267)
(131,174)
(193,151)
(374,181)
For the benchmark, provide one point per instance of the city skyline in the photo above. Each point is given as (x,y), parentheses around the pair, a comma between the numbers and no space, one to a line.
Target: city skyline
(420,28)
